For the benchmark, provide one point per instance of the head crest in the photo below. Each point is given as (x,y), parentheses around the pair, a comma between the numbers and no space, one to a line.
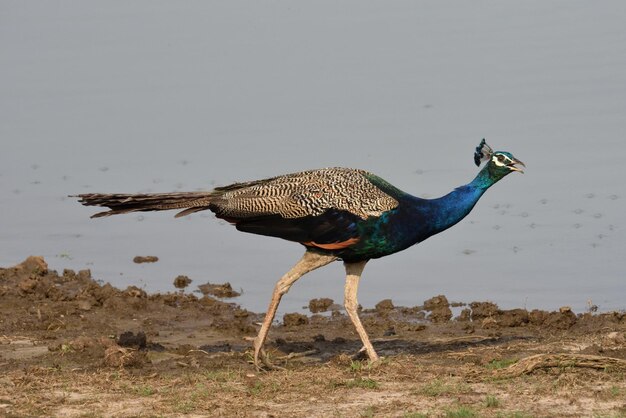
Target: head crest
(483,152)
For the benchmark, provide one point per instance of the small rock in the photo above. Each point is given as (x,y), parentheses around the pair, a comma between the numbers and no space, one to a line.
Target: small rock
(181,282)
(565,309)
(295,319)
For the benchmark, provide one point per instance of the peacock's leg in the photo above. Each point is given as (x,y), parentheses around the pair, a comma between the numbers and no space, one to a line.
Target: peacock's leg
(353,275)
(309,261)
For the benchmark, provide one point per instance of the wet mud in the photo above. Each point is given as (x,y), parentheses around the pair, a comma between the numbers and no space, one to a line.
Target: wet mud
(97,322)
(68,320)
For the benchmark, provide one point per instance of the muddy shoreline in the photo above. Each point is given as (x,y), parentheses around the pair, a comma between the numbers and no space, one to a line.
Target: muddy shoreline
(66,324)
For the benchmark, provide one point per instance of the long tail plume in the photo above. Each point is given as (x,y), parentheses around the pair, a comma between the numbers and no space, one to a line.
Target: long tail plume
(190,202)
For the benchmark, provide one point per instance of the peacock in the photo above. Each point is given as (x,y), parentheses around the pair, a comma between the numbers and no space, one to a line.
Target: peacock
(335,213)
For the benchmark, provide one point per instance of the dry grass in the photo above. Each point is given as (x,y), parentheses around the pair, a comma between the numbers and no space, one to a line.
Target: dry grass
(406,385)
(545,361)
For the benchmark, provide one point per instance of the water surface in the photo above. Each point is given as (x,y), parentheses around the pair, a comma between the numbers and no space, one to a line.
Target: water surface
(161,96)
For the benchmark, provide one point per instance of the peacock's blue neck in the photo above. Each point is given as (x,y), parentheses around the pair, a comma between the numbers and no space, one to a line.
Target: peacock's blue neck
(415,219)
(451,208)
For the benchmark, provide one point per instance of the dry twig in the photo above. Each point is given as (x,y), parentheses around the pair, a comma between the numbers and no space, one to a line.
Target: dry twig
(543,361)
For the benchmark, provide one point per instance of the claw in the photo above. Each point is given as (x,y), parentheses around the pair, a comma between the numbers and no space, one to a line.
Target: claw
(260,354)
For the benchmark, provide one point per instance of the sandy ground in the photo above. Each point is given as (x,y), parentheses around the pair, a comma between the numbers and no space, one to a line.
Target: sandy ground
(71,347)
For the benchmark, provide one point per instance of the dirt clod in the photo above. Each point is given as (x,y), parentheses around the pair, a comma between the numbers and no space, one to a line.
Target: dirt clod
(116,356)
(384,305)
(512,318)
(481,310)
(130,339)
(439,309)
(219,290)
(145,259)
(32,265)
(320,305)
(295,319)
(181,282)
(465,315)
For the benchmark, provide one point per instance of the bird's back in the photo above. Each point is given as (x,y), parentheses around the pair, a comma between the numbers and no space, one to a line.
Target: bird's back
(302,194)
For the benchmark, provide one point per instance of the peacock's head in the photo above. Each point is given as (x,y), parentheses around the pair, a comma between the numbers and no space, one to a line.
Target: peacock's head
(499,163)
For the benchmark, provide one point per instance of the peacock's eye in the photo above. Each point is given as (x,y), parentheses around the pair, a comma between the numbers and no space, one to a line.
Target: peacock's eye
(500,158)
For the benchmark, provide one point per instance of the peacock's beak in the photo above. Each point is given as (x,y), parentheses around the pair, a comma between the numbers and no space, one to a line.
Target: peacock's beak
(515,162)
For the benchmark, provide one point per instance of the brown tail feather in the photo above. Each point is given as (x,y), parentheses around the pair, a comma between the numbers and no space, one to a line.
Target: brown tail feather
(124,203)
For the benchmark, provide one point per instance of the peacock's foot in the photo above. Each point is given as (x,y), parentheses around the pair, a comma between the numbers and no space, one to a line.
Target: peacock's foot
(374,360)
(261,360)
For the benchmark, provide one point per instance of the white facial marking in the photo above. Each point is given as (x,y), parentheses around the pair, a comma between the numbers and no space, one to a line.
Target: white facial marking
(505,160)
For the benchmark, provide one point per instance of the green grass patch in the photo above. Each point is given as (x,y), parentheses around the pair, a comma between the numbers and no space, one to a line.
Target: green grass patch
(461,412)
(414,415)
(221,376)
(359,382)
(357,366)
(185,407)
(364,383)
(491,401)
(145,390)
(256,389)
(438,387)
(500,364)
(514,414)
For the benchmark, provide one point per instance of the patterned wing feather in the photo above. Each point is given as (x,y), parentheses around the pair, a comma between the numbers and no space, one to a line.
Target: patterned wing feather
(308,193)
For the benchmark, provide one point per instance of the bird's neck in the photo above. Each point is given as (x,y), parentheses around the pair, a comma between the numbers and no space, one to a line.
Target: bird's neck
(457,204)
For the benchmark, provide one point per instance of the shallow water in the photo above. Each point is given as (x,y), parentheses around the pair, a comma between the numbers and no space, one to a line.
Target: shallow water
(162,96)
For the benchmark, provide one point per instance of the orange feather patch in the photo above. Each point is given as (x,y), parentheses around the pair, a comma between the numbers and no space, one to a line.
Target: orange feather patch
(333,245)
